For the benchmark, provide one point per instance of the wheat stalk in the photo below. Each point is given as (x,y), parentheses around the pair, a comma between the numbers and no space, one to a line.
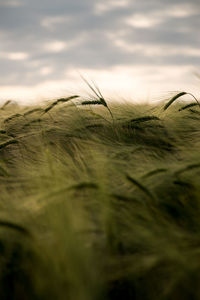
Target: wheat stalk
(140,186)
(16,227)
(5,104)
(101,100)
(178,96)
(188,106)
(7,143)
(60,100)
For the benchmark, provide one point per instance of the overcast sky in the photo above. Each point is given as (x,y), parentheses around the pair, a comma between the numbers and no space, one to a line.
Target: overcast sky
(135,48)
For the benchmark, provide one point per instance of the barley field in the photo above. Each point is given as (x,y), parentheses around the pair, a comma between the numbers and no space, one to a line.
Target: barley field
(100,201)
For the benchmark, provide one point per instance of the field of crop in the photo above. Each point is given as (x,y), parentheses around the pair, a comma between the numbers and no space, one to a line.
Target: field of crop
(100,201)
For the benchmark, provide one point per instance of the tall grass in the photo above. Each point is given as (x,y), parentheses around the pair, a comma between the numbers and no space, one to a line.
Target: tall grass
(96,209)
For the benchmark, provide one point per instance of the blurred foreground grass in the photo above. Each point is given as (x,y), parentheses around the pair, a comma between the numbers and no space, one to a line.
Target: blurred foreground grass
(99,203)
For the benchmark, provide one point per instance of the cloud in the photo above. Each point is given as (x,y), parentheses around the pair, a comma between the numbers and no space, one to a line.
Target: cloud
(40,40)
(14,55)
(51,22)
(104,7)
(46,70)
(55,46)
(122,82)
(11,3)
(150,50)
(157,17)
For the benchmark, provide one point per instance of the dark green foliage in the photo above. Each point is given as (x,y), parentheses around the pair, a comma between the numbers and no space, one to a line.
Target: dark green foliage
(94,208)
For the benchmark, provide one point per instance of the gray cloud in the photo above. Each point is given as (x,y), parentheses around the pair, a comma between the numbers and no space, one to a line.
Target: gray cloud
(41,39)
